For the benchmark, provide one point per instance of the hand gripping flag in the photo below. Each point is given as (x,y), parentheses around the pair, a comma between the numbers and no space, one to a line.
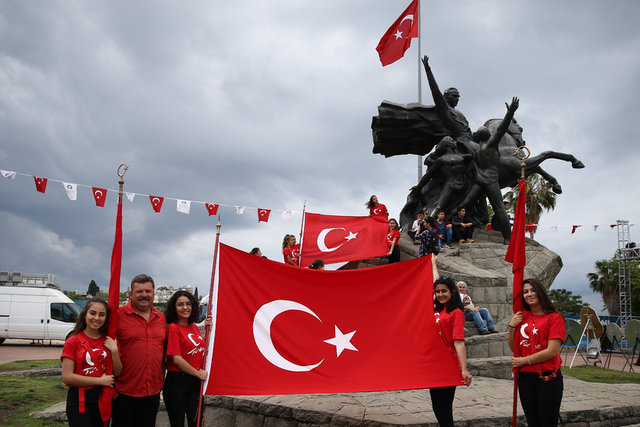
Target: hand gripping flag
(282,330)
(397,39)
(343,238)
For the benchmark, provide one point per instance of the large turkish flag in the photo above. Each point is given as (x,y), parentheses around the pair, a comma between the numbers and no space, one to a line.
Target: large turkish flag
(282,330)
(343,238)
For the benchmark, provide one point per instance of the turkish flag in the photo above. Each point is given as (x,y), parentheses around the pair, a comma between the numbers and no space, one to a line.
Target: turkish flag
(516,253)
(156,203)
(100,194)
(397,39)
(212,208)
(41,184)
(282,330)
(263,215)
(343,238)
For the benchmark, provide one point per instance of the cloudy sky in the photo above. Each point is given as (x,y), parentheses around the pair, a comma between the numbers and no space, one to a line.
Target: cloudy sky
(268,104)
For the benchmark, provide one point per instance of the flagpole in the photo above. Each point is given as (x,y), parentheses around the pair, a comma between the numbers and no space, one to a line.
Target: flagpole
(116,259)
(304,207)
(207,328)
(419,77)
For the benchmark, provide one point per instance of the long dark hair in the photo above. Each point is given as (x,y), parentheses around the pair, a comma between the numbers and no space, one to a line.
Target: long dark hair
(370,203)
(455,301)
(171,314)
(545,301)
(81,322)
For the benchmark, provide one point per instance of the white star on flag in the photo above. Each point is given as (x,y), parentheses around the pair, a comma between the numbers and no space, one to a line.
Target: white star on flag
(351,236)
(183,206)
(71,190)
(130,196)
(398,34)
(8,174)
(341,341)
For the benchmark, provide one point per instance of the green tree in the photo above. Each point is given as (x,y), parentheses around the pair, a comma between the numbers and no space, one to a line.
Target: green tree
(566,302)
(93,288)
(605,280)
(539,198)
(75,296)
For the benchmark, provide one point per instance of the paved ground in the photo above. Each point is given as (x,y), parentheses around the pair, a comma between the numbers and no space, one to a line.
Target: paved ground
(13,350)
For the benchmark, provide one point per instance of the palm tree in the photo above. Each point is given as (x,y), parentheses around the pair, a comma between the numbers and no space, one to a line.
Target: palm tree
(605,281)
(539,198)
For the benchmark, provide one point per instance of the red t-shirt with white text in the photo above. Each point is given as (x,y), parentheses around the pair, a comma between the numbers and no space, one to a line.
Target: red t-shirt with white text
(534,333)
(187,342)
(85,364)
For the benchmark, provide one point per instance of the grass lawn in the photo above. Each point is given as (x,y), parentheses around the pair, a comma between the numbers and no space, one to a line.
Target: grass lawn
(598,375)
(19,396)
(26,365)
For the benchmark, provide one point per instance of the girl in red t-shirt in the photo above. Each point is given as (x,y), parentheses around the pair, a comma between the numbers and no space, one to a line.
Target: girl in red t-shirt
(450,325)
(90,361)
(290,251)
(185,359)
(539,339)
(375,207)
(393,241)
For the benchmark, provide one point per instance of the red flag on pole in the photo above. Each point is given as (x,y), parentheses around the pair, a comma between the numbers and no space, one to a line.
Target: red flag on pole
(116,265)
(516,253)
(397,39)
(282,330)
(343,238)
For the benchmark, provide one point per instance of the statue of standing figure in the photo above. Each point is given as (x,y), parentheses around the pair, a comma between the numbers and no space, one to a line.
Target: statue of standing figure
(465,169)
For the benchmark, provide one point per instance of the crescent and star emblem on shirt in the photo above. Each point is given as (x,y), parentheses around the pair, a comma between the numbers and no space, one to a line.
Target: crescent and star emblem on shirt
(524,335)
(262,335)
(323,235)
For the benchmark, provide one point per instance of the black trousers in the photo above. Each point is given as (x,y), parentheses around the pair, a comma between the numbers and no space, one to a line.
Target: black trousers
(395,254)
(442,404)
(130,411)
(540,399)
(91,416)
(460,233)
(181,393)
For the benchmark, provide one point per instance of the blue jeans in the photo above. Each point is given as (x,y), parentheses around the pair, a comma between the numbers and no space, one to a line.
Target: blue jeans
(448,235)
(479,317)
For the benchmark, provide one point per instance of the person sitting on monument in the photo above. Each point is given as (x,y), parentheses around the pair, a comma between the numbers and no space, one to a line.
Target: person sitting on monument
(427,237)
(462,226)
(487,169)
(475,313)
(375,207)
(414,227)
(443,229)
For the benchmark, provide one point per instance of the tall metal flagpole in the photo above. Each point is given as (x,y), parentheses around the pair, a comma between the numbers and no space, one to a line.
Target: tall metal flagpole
(419,76)
(304,208)
(207,327)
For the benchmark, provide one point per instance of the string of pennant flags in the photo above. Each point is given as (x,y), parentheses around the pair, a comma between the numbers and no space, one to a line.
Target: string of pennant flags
(182,205)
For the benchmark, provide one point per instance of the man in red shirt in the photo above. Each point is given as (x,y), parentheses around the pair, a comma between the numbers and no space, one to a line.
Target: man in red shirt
(141,334)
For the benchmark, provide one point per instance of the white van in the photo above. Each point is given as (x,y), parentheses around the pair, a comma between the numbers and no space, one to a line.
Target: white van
(36,313)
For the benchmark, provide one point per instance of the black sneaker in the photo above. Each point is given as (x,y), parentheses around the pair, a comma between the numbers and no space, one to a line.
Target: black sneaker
(485,332)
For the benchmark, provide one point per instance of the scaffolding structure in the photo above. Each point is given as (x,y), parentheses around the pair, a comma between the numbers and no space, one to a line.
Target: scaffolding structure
(627,252)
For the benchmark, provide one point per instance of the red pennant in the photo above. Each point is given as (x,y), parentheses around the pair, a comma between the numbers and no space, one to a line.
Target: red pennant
(574,228)
(100,194)
(156,203)
(263,215)
(41,184)
(212,208)
(282,330)
(612,225)
(397,39)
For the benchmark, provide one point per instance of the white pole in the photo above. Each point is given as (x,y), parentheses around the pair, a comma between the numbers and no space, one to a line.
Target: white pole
(419,76)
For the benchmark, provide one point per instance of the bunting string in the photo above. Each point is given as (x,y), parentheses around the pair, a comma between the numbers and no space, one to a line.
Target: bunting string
(182,205)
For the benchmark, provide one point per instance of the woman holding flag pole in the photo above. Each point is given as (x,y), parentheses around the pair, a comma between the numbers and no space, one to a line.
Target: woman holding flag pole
(540,332)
